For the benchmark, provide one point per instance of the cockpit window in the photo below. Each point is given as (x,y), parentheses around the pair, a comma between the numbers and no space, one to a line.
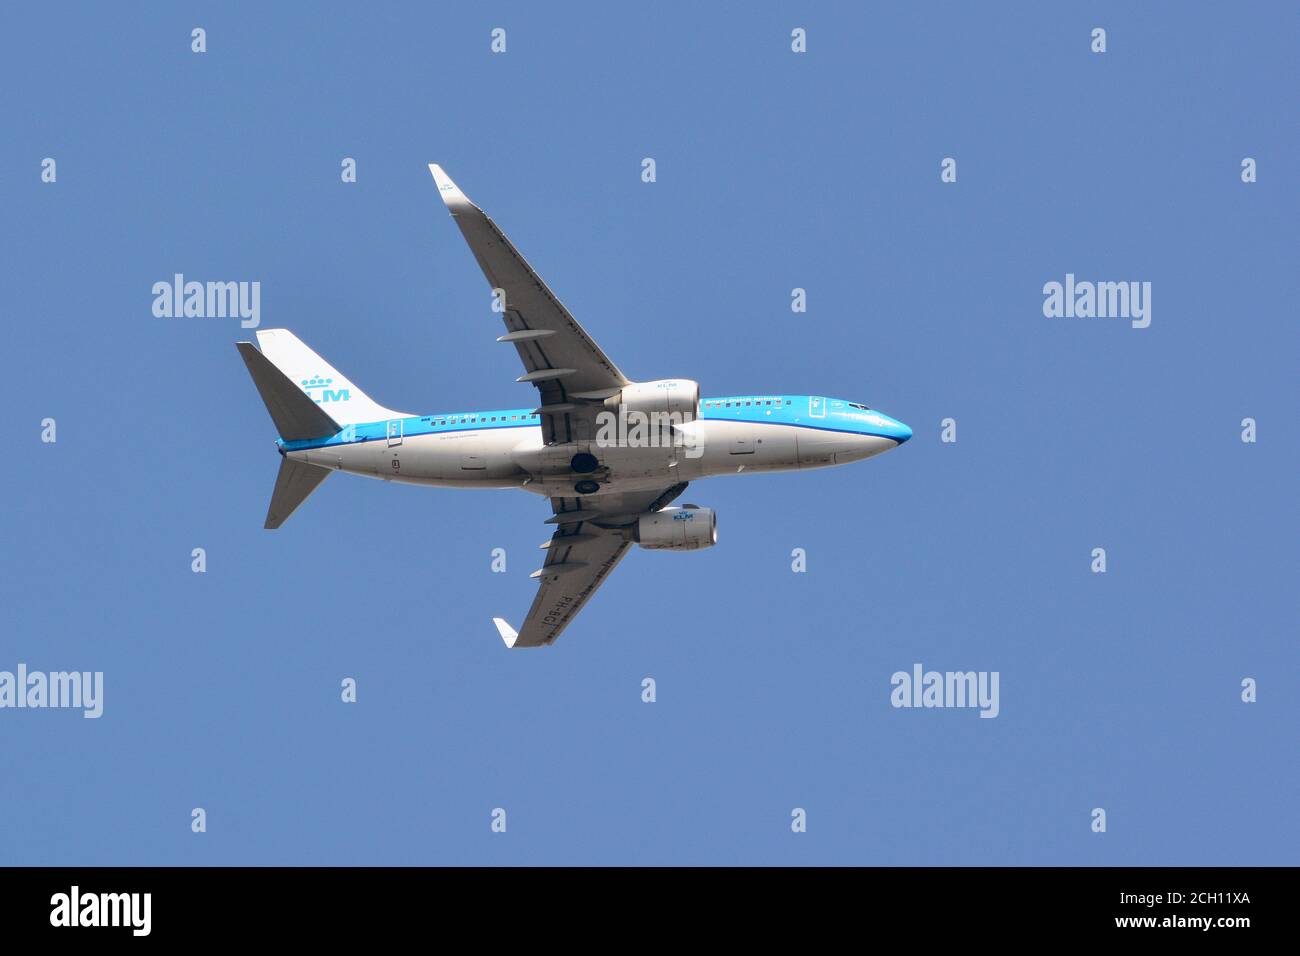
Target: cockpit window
(855,405)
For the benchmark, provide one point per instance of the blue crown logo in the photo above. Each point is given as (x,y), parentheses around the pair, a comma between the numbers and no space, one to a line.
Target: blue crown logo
(316,382)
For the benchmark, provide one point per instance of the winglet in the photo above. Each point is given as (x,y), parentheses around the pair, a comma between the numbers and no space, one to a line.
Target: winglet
(447,189)
(508,633)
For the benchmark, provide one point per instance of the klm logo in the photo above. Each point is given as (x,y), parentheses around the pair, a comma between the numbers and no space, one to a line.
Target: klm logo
(327,394)
(683,516)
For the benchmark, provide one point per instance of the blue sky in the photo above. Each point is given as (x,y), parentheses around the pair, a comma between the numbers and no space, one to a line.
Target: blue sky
(775,170)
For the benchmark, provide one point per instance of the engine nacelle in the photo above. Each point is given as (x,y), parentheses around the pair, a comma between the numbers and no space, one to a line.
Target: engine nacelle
(672,395)
(677,529)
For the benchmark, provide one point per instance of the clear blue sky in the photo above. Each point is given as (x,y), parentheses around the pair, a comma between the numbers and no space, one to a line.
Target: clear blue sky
(775,171)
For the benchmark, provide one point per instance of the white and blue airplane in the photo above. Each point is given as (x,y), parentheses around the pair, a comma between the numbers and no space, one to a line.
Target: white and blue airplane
(610,454)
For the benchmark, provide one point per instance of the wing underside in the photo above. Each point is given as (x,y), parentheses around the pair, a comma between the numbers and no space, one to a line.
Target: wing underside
(592,535)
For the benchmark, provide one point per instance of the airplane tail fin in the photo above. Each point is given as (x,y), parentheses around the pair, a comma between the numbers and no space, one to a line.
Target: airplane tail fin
(293,484)
(319,381)
(296,416)
(307,398)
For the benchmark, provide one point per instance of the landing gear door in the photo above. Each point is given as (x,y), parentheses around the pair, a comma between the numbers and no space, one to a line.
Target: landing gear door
(394,432)
(816,406)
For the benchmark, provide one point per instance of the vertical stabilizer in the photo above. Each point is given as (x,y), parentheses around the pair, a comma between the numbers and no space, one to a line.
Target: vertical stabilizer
(321,382)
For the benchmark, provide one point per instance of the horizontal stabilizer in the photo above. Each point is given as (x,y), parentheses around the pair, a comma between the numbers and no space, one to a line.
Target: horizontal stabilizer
(508,633)
(293,484)
(296,416)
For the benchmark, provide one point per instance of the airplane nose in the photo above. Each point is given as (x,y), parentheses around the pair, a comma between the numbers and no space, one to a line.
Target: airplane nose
(901,432)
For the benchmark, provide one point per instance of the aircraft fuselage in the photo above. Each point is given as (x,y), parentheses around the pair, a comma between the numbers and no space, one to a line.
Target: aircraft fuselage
(505,448)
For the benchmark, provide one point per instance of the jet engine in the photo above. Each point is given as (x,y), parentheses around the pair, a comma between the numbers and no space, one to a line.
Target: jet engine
(688,528)
(672,395)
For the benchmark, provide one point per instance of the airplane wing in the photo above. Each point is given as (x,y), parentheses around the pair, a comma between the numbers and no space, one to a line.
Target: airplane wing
(591,536)
(570,371)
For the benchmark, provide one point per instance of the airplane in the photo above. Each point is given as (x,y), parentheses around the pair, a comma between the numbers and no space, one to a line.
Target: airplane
(611,454)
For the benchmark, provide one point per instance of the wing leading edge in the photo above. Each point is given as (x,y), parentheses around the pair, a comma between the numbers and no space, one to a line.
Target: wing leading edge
(571,372)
